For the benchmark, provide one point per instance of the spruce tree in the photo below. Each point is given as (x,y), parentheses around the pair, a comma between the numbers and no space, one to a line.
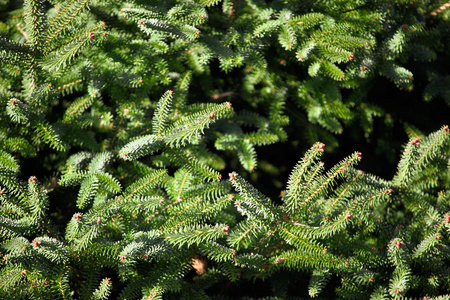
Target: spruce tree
(121,120)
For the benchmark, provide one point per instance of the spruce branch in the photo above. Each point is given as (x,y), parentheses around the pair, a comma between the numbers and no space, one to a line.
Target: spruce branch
(66,14)
(195,235)
(34,22)
(254,204)
(161,113)
(77,107)
(188,129)
(15,53)
(113,116)
(146,183)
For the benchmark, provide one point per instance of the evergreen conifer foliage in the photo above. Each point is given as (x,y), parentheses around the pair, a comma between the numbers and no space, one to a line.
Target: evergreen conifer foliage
(151,230)
(336,222)
(129,107)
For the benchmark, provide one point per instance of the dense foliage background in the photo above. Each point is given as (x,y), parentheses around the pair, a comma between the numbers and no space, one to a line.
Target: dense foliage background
(119,118)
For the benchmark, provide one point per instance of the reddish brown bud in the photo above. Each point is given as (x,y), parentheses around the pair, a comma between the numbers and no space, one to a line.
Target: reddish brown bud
(416,141)
(225,229)
(398,244)
(91,35)
(320,147)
